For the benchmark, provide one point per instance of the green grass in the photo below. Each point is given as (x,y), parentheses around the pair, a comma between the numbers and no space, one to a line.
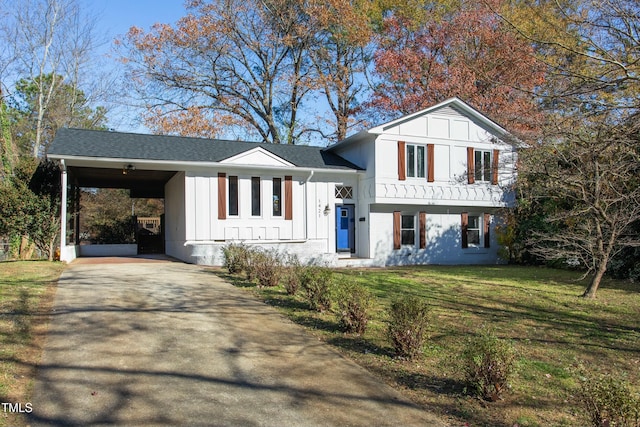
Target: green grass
(26,292)
(538,309)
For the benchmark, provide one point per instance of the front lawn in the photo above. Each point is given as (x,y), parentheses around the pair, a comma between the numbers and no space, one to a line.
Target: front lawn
(553,330)
(26,294)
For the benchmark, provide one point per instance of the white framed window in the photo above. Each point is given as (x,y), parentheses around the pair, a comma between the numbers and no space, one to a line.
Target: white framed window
(276,197)
(344,192)
(255,196)
(482,165)
(416,161)
(474,230)
(233,196)
(408,230)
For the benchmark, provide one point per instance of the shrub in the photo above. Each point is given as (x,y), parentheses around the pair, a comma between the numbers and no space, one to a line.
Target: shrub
(488,363)
(235,257)
(317,283)
(292,274)
(609,401)
(266,267)
(408,320)
(354,301)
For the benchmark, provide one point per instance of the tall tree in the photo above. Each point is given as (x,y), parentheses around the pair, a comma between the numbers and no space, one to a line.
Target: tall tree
(225,63)
(464,50)
(590,139)
(46,38)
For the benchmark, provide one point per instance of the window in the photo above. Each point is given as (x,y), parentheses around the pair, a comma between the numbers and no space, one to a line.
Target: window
(277,197)
(344,192)
(408,230)
(473,230)
(416,161)
(255,196)
(233,196)
(482,165)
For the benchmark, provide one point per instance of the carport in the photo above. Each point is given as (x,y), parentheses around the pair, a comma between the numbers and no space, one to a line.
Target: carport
(93,160)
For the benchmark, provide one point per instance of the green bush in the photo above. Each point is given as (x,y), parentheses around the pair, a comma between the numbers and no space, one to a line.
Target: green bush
(488,363)
(354,302)
(235,257)
(407,330)
(609,401)
(317,282)
(292,274)
(266,267)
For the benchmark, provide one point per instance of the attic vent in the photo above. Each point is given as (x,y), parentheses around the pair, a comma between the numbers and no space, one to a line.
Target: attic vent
(448,111)
(344,192)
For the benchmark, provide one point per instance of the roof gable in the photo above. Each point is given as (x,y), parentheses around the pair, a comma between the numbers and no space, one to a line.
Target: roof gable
(257,157)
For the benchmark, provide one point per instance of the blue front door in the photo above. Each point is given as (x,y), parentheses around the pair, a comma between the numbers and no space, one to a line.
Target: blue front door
(345,228)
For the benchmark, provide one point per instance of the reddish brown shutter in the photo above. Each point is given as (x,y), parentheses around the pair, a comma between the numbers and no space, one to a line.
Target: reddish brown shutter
(487,235)
(402,158)
(494,167)
(430,163)
(423,229)
(470,166)
(465,226)
(222,195)
(288,198)
(396,230)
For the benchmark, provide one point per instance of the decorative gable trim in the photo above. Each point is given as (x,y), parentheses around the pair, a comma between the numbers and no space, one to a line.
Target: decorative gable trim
(257,156)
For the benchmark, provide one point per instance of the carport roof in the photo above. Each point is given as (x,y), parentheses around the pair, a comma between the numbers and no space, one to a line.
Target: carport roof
(70,143)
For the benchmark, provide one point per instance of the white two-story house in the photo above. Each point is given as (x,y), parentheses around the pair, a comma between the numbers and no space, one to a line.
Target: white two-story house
(423,189)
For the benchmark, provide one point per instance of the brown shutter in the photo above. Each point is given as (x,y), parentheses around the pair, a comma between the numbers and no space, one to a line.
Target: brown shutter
(430,163)
(288,198)
(487,235)
(423,229)
(402,158)
(494,167)
(470,166)
(465,226)
(222,195)
(396,230)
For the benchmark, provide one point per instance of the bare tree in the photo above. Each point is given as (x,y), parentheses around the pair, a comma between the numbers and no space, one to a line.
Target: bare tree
(46,38)
(592,179)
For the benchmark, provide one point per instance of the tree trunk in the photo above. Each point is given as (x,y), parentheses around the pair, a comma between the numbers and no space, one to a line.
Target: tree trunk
(590,292)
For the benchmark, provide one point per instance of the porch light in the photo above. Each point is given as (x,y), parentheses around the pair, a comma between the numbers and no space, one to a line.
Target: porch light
(128,169)
(327,209)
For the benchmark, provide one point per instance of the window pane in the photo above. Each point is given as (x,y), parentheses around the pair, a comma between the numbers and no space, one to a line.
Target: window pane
(233,195)
(487,165)
(408,237)
(474,222)
(411,160)
(478,166)
(473,237)
(277,193)
(255,196)
(407,221)
(421,161)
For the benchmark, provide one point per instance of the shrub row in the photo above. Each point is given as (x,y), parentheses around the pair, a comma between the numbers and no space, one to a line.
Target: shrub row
(486,361)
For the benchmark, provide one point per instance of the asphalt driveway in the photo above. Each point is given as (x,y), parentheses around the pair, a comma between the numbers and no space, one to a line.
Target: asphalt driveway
(165,343)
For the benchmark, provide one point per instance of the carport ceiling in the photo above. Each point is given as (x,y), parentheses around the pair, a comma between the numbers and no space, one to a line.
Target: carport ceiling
(141,183)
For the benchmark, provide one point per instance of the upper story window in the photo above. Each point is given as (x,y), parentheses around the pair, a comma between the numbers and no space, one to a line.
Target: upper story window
(416,161)
(482,165)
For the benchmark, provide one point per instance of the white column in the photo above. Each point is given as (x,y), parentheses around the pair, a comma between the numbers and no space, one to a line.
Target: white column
(63,214)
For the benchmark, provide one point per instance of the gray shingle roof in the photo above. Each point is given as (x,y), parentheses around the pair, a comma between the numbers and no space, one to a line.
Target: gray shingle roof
(104,144)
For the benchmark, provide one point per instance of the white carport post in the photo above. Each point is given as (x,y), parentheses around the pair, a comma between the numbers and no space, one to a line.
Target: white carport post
(63,214)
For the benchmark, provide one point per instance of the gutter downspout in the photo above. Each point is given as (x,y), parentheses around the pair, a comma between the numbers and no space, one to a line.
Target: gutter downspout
(306,206)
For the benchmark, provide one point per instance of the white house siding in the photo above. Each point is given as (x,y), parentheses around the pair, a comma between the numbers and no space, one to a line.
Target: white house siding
(175,218)
(443,237)
(310,234)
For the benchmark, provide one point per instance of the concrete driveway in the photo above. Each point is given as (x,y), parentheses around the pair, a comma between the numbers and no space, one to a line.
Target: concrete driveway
(165,343)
